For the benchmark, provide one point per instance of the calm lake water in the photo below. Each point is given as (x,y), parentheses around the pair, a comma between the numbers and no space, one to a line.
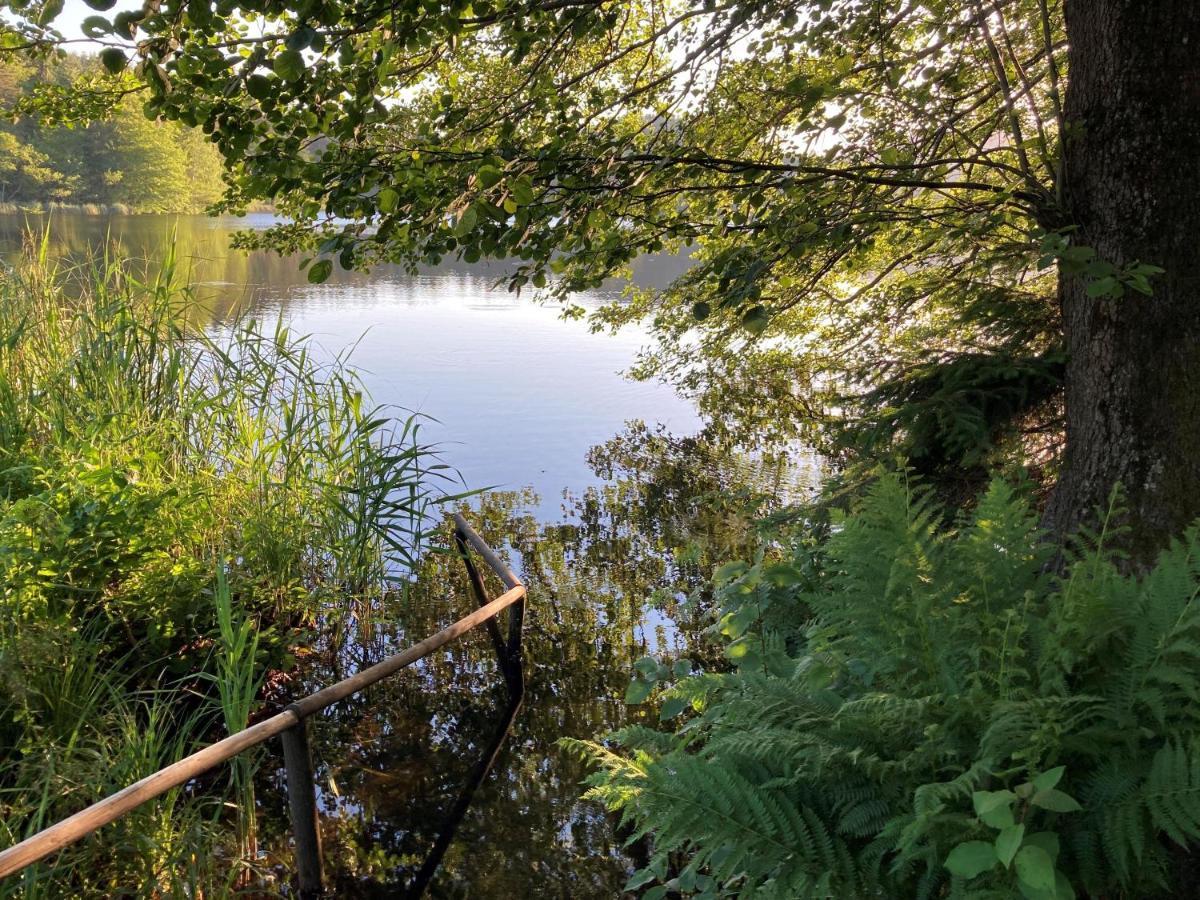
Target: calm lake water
(601,518)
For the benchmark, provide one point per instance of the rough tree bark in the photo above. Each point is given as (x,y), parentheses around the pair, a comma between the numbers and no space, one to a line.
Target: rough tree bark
(1131,184)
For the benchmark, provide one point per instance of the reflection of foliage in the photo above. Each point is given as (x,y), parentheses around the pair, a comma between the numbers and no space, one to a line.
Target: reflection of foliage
(927,711)
(604,588)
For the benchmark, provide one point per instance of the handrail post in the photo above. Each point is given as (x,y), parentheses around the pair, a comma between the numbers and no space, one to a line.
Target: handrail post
(515,670)
(509,652)
(302,805)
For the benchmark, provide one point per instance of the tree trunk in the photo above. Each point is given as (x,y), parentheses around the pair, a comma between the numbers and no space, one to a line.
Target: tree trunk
(1131,185)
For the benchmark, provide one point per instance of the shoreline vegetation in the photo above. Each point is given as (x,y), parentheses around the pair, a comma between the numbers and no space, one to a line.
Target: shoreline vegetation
(179,513)
(103,160)
(41,208)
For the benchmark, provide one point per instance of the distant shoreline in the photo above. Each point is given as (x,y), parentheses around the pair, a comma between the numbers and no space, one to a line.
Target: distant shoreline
(107,209)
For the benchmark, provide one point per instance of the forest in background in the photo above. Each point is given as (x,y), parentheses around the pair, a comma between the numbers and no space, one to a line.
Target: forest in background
(124,161)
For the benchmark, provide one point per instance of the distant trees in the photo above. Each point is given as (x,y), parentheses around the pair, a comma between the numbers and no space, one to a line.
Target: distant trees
(121,159)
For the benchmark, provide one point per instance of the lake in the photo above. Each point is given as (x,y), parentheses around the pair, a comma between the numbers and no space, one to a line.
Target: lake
(613,524)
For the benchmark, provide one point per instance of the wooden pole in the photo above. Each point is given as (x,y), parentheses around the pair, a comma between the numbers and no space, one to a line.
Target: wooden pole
(302,805)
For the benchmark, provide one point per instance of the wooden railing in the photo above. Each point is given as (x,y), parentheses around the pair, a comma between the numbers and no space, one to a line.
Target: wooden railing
(291,726)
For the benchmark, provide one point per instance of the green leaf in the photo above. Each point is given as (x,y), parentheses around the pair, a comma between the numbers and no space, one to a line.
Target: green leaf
(1103,287)
(756,320)
(640,878)
(672,707)
(113,59)
(994,807)
(95,26)
(681,668)
(320,271)
(289,65)
(638,691)
(388,200)
(971,858)
(489,176)
(1047,840)
(522,191)
(466,222)
(101,5)
(730,571)
(1035,868)
(985,801)
(1001,817)
(259,86)
(1008,843)
(647,665)
(1049,779)
(1055,801)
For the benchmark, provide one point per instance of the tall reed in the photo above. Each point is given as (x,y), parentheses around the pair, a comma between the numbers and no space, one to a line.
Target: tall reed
(138,456)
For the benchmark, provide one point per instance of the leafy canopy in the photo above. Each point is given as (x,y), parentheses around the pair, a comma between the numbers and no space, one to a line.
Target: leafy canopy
(864,187)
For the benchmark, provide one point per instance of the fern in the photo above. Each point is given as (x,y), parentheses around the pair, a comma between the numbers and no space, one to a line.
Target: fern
(914,710)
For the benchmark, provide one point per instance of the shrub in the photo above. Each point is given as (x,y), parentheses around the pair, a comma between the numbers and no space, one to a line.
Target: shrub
(918,708)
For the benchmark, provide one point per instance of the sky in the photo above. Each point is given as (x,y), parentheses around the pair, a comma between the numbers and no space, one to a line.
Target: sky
(75,11)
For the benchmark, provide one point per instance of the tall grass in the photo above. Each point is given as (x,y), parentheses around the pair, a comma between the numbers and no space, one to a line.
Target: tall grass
(138,459)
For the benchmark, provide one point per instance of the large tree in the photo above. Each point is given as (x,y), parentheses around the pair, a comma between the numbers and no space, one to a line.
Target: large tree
(923,225)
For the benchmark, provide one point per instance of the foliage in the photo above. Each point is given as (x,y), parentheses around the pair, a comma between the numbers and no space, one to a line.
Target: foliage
(863,188)
(135,456)
(920,708)
(64,149)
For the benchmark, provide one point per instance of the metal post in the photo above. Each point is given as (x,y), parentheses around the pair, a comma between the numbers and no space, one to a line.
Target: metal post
(302,804)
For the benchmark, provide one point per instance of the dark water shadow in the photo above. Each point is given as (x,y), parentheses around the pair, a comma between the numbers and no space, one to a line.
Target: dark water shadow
(462,803)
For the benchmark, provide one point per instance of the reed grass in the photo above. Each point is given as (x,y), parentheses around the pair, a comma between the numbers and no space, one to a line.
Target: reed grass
(179,511)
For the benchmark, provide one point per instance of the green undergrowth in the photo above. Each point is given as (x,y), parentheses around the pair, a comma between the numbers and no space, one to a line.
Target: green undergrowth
(178,513)
(925,705)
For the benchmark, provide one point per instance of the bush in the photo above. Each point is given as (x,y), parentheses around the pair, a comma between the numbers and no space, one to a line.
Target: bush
(944,717)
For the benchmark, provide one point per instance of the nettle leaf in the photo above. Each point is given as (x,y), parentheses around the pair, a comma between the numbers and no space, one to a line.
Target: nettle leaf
(1047,840)
(1008,843)
(994,807)
(1050,779)
(972,858)
(1035,868)
(1056,801)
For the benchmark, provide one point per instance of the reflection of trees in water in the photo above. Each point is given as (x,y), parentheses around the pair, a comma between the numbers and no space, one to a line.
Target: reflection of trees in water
(606,587)
(228,282)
